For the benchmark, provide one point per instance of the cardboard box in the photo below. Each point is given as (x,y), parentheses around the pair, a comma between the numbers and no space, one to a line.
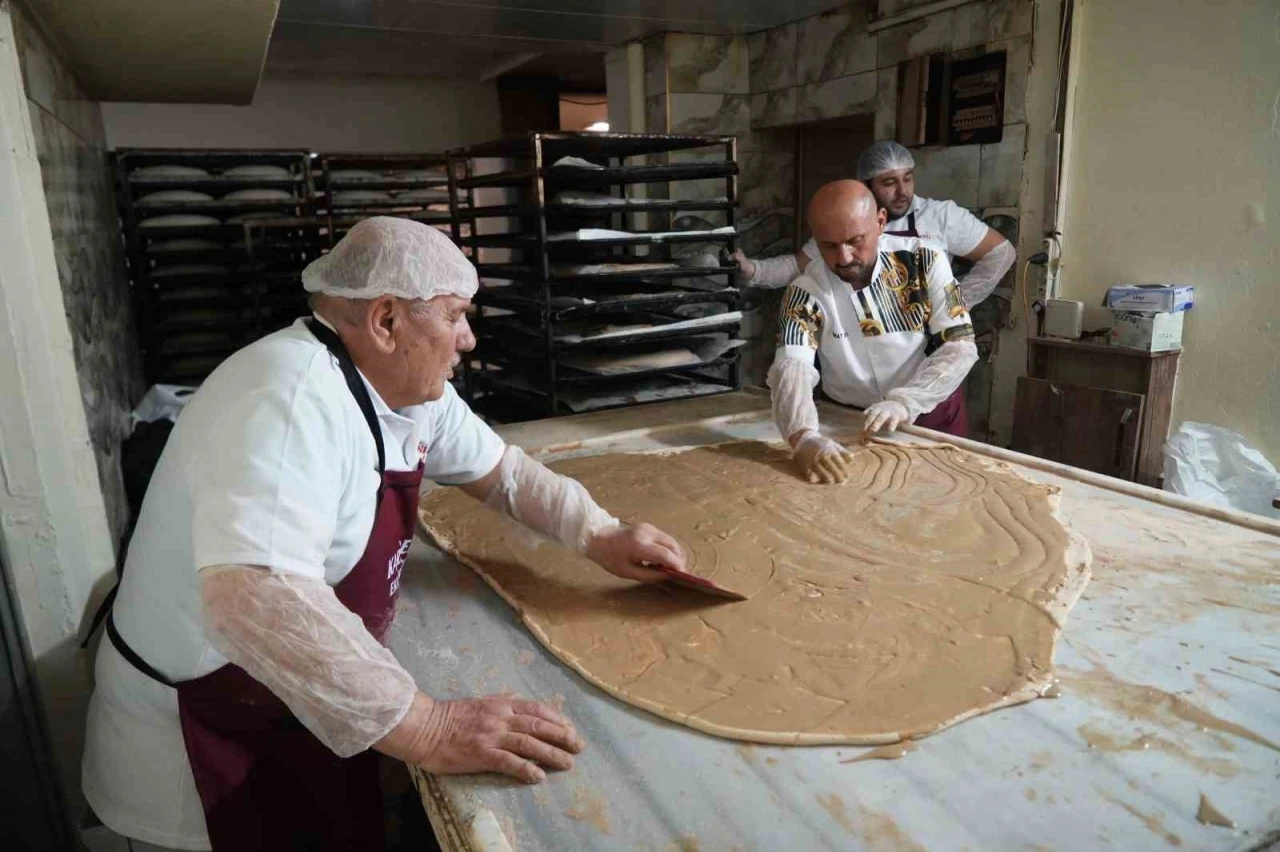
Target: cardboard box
(1151,297)
(1151,331)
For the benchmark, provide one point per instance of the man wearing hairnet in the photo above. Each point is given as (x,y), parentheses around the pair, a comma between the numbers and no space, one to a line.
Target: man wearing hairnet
(244,689)
(888,170)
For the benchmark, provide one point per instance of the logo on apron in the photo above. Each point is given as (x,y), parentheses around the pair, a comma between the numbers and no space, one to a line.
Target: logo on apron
(395,565)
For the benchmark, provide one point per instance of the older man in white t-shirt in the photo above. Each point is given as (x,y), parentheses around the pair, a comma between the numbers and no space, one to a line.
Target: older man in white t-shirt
(888,170)
(243,689)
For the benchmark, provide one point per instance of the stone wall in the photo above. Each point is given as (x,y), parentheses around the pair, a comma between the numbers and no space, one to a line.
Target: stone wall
(764,86)
(701,85)
(829,66)
(82,214)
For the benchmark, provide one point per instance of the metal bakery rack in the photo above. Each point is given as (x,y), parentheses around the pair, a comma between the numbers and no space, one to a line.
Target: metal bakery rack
(604,271)
(352,187)
(214,243)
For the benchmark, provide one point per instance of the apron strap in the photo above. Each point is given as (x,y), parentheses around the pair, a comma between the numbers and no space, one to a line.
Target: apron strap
(132,655)
(100,615)
(910,230)
(354,383)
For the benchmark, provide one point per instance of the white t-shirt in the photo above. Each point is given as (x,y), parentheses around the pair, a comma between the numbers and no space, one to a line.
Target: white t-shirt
(271,463)
(873,340)
(943,222)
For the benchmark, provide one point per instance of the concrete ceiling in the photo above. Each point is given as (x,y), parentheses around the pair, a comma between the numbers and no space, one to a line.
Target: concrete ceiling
(214,51)
(163,50)
(478,38)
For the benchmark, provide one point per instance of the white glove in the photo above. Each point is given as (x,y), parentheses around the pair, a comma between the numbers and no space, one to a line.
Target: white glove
(935,380)
(985,274)
(544,501)
(821,459)
(293,634)
(792,381)
(887,415)
(768,273)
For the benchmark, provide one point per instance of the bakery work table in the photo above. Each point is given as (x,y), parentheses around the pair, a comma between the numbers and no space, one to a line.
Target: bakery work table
(1169,668)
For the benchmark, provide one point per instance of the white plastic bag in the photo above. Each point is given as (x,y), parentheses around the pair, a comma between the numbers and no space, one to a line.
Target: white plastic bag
(1216,466)
(162,402)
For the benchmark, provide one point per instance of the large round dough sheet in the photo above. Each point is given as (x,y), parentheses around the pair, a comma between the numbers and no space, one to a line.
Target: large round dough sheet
(929,588)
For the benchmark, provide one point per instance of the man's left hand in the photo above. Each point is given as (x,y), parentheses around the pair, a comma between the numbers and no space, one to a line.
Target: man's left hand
(624,550)
(887,415)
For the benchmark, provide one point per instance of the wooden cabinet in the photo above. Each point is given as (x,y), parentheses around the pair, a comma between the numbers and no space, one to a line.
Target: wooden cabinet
(1098,407)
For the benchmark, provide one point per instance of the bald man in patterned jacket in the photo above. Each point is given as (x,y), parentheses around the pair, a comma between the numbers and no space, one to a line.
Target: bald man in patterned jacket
(886,321)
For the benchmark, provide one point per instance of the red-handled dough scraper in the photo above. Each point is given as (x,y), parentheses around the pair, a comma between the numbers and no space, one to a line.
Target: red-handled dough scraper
(693,581)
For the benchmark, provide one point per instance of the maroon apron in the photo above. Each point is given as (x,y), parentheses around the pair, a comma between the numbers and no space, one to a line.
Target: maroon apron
(951,415)
(265,781)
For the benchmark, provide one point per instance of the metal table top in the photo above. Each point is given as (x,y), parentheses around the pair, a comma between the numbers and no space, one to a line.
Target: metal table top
(1182,617)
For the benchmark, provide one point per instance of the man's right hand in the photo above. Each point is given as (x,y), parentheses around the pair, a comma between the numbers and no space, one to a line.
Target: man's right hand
(821,460)
(497,733)
(745,265)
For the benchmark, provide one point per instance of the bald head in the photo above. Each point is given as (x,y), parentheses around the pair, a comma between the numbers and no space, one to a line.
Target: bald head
(846,224)
(841,198)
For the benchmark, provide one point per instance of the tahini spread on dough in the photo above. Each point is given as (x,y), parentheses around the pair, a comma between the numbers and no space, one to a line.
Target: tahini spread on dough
(929,588)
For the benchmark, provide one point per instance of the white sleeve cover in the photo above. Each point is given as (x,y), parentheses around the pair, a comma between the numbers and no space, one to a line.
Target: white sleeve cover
(544,501)
(791,382)
(773,273)
(292,634)
(985,274)
(936,379)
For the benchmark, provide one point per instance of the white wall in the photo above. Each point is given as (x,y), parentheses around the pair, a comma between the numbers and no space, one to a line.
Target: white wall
(327,114)
(1175,176)
(54,537)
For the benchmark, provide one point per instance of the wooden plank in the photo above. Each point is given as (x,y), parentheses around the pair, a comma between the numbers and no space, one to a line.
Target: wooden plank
(1124,351)
(1155,425)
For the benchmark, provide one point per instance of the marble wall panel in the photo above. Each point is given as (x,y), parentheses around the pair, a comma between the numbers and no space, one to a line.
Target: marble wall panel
(655,114)
(834,44)
(689,220)
(954,29)
(1009,19)
(1004,220)
(887,103)
(777,140)
(933,34)
(774,109)
(949,173)
(772,58)
(844,96)
(707,63)
(767,234)
(654,50)
(1017,66)
(106,365)
(894,7)
(767,182)
(709,113)
(1000,175)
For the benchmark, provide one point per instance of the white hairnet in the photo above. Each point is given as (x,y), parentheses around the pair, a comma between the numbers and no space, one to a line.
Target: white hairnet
(387,256)
(881,157)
